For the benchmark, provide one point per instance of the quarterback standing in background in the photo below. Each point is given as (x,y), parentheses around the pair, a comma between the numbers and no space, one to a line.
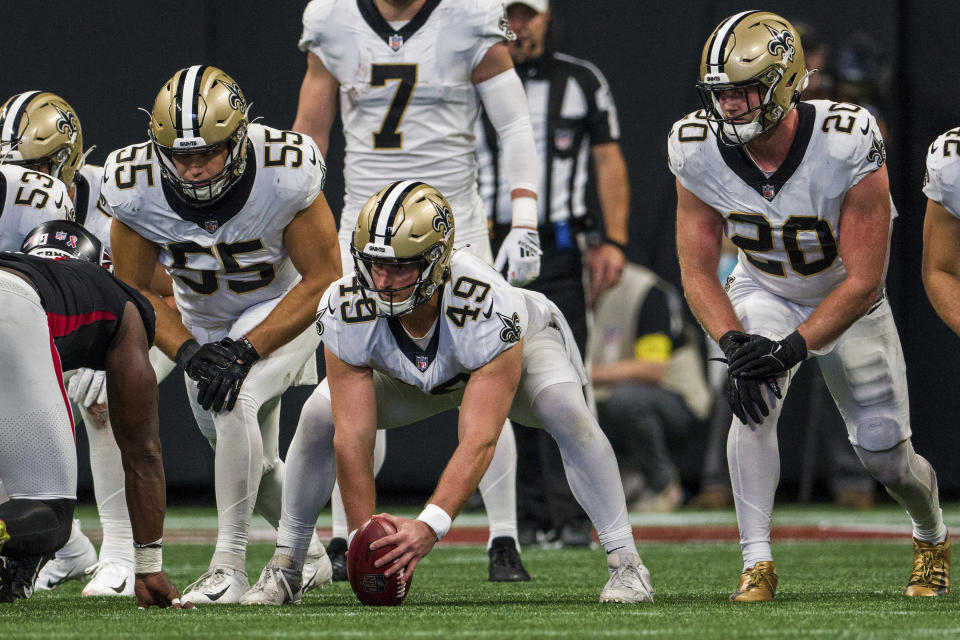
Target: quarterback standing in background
(409,77)
(235,212)
(801,189)
(40,130)
(422,329)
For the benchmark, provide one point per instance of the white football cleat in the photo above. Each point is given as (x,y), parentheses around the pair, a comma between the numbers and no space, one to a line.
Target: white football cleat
(275,587)
(110,578)
(317,570)
(219,585)
(629,580)
(71,562)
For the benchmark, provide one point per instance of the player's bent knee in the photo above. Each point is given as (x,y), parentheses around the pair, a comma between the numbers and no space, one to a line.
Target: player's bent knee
(890,467)
(879,433)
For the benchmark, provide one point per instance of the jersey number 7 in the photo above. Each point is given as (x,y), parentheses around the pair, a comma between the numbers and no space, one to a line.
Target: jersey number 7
(406,74)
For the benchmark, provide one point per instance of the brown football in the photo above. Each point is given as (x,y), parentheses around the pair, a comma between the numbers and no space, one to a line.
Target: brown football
(368,581)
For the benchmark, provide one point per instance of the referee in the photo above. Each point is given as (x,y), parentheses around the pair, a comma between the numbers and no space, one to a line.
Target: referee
(574,122)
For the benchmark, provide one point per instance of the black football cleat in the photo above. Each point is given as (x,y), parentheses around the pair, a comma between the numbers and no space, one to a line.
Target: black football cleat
(337,552)
(18,575)
(505,563)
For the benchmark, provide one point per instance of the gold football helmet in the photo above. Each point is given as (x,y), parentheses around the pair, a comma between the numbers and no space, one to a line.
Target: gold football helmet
(200,110)
(41,131)
(406,222)
(751,49)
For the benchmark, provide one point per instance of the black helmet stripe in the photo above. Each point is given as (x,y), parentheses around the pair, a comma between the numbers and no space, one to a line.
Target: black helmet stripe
(12,116)
(721,37)
(187,102)
(391,202)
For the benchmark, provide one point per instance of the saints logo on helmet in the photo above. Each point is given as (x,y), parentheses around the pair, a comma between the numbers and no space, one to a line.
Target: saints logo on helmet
(41,131)
(404,223)
(200,110)
(59,239)
(759,54)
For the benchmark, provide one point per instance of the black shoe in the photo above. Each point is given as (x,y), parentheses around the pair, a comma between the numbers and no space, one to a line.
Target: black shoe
(18,576)
(576,533)
(505,563)
(337,552)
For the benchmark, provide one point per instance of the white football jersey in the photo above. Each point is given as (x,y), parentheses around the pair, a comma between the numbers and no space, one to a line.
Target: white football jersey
(407,101)
(941,182)
(29,198)
(229,256)
(480,317)
(89,211)
(786,225)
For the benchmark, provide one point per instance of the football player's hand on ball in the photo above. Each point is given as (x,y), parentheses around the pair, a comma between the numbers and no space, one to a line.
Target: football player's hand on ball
(155,589)
(414,539)
(519,256)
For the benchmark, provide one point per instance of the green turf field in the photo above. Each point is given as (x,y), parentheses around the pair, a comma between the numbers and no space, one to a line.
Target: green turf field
(827,590)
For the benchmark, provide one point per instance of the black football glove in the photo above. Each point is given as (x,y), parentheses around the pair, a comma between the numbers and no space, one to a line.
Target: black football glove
(746,399)
(762,357)
(731,341)
(202,362)
(223,389)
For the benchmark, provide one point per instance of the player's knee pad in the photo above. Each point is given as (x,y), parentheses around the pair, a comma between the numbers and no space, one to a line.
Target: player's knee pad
(878,433)
(36,526)
(870,377)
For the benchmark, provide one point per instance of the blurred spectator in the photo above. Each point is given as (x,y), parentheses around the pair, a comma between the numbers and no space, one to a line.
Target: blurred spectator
(648,375)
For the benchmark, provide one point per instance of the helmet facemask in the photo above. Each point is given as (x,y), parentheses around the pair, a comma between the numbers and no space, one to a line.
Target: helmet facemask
(753,122)
(209,190)
(421,289)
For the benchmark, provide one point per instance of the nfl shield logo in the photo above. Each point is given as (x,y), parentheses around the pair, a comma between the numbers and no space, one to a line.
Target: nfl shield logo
(422,363)
(769,191)
(396,41)
(211,226)
(563,139)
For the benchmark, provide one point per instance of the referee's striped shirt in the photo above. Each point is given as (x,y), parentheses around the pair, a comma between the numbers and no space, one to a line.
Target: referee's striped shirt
(572,108)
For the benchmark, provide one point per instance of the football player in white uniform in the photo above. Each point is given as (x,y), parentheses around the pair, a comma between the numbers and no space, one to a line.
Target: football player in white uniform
(941,227)
(421,329)
(235,212)
(409,77)
(802,190)
(41,131)
(29,198)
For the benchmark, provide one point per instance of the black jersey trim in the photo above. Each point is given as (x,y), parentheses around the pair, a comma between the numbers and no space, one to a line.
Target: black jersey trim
(223,209)
(368,9)
(82,200)
(410,349)
(741,164)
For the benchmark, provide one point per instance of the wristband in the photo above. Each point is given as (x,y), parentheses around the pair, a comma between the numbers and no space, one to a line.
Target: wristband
(524,211)
(437,519)
(618,245)
(186,352)
(148,558)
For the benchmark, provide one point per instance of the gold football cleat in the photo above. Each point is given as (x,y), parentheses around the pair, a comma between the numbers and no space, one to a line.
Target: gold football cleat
(4,535)
(757,584)
(931,569)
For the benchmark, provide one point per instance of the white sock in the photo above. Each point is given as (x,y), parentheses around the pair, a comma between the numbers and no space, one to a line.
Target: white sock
(106,464)
(498,487)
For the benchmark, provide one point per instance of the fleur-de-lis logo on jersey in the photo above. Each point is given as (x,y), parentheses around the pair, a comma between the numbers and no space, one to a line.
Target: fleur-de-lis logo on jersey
(320,313)
(781,41)
(237,101)
(878,151)
(511,328)
(67,122)
(443,220)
